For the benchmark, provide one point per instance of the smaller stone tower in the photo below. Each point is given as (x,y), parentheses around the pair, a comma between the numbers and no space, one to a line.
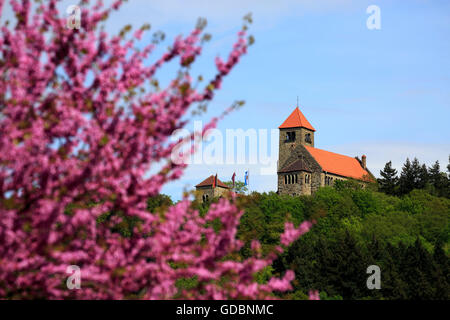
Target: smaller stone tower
(210,188)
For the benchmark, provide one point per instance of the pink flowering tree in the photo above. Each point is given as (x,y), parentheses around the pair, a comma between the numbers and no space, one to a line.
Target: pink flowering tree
(82,123)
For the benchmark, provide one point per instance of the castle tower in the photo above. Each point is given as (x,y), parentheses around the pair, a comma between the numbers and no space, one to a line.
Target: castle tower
(295,130)
(210,188)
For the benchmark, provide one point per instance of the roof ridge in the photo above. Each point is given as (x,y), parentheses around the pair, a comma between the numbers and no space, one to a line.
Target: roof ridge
(206,182)
(339,154)
(339,164)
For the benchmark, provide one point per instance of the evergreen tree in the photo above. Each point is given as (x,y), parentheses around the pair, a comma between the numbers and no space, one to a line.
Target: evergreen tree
(422,177)
(389,182)
(351,266)
(377,255)
(438,180)
(407,178)
(448,179)
(448,167)
(395,287)
(327,275)
(435,174)
(413,176)
(418,272)
(442,274)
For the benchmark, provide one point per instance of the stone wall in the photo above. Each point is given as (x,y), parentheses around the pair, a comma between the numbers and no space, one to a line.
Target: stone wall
(292,189)
(219,191)
(316,171)
(333,177)
(303,186)
(285,149)
(212,193)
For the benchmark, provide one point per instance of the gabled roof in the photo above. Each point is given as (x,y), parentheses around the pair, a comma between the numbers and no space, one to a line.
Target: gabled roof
(295,120)
(209,182)
(338,164)
(298,165)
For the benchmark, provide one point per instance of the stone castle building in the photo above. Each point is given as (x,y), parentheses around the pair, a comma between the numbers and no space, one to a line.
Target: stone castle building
(210,188)
(302,168)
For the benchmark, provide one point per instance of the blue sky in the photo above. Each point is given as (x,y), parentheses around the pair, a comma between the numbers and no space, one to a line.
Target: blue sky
(384,93)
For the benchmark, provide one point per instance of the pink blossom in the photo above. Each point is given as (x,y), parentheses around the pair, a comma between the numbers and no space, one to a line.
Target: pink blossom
(314,295)
(291,233)
(75,163)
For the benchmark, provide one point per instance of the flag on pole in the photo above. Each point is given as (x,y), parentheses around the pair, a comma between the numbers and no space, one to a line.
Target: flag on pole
(233,178)
(246,178)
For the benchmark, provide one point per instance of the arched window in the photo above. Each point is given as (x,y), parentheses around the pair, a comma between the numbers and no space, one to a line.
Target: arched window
(290,136)
(285,179)
(308,137)
(296,178)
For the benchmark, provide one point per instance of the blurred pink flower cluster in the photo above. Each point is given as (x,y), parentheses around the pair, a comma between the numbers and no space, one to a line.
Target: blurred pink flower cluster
(77,137)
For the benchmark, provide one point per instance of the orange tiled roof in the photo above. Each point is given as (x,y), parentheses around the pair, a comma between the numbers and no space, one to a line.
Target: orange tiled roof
(209,182)
(338,164)
(295,120)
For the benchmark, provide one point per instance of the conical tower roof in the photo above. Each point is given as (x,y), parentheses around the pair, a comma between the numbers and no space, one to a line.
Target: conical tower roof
(296,120)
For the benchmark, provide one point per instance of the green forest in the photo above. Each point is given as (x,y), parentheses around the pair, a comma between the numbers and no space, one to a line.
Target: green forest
(401,224)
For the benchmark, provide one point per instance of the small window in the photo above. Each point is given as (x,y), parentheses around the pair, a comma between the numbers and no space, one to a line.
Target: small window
(285,179)
(308,138)
(290,136)
(296,178)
